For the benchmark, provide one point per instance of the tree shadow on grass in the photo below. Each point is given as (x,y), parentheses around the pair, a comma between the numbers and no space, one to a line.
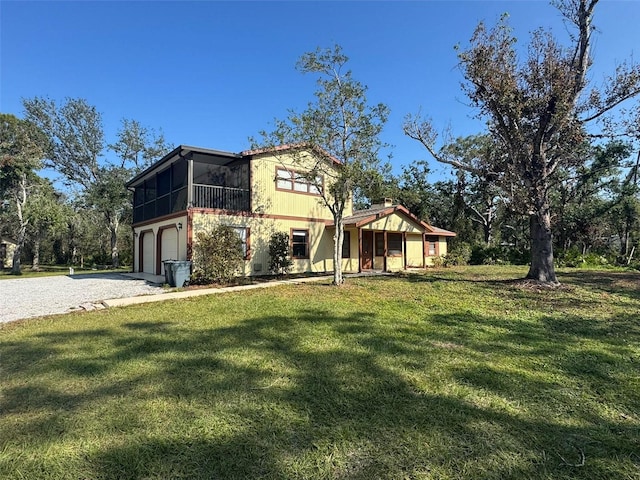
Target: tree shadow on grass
(618,283)
(316,395)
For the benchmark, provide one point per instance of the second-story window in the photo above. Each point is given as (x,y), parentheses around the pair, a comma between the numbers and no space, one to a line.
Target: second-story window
(297,182)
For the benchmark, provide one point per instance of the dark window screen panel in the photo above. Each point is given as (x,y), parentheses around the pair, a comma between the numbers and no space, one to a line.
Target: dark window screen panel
(149,210)
(163,205)
(164,182)
(138,196)
(138,214)
(150,190)
(179,171)
(179,200)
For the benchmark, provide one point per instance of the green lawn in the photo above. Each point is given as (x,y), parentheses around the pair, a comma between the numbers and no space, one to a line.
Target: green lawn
(456,374)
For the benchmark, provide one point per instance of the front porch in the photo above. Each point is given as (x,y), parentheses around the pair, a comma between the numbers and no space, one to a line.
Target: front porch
(389,238)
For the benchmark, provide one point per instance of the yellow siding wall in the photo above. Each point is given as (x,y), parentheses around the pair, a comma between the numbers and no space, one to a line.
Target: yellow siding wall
(320,241)
(442,245)
(267,199)
(395,223)
(394,264)
(414,250)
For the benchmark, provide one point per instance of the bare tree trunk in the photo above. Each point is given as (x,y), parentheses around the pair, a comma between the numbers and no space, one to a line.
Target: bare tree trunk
(541,268)
(488,234)
(114,224)
(16,268)
(21,199)
(35,264)
(115,256)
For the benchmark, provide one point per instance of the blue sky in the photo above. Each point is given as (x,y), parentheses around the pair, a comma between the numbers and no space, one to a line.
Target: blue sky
(212,74)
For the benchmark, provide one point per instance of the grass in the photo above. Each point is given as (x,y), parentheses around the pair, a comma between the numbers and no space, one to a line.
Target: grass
(51,270)
(454,374)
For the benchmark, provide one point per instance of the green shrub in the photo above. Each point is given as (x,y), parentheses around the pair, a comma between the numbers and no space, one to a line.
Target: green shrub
(438,261)
(460,254)
(279,261)
(217,256)
(575,258)
(498,255)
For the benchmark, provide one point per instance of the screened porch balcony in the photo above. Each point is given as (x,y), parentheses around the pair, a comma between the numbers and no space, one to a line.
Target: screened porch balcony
(221,198)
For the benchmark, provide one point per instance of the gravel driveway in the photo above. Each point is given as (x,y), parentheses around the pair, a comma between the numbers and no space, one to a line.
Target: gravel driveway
(34,297)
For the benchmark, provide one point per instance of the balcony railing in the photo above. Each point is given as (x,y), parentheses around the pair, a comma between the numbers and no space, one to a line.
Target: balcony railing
(224,198)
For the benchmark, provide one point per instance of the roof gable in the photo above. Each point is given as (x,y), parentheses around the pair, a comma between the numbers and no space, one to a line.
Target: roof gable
(362,218)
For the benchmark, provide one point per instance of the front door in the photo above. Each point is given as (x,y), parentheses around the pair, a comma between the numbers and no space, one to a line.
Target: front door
(367,250)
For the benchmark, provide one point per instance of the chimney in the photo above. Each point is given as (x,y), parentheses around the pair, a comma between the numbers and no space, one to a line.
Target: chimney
(384,202)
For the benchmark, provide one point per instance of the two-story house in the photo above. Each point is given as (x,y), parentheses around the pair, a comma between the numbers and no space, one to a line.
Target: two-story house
(258,193)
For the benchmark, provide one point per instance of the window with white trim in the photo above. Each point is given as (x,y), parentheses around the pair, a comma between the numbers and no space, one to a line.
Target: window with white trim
(297,182)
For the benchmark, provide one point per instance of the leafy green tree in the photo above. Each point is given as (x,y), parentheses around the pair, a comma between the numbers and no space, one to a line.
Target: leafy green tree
(481,196)
(46,215)
(583,196)
(279,258)
(217,255)
(537,111)
(344,127)
(138,146)
(77,152)
(22,149)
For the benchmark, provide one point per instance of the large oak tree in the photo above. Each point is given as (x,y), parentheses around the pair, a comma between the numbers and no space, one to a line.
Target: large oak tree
(537,110)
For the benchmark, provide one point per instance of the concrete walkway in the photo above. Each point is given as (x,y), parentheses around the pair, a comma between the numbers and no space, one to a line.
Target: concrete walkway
(121,302)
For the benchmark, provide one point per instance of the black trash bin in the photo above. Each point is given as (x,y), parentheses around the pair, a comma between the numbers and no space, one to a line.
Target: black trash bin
(181,272)
(168,272)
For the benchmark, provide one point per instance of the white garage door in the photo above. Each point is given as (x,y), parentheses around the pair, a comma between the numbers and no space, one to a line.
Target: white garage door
(148,256)
(169,246)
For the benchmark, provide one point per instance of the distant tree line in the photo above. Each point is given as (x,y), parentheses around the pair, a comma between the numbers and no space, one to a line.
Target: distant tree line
(88,221)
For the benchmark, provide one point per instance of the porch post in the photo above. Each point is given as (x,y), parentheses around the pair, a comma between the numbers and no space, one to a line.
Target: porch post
(424,251)
(359,250)
(189,182)
(404,245)
(385,252)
